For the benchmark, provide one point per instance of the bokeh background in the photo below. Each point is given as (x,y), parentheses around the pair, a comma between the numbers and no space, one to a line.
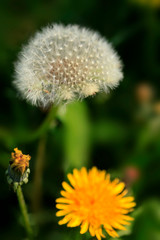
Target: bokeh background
(118,132)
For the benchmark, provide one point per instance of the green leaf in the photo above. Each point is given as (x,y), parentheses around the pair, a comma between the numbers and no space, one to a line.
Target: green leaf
(76,135)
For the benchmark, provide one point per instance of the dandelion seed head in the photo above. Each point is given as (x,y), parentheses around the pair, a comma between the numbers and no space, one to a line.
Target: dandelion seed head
(94,202)
(64,63)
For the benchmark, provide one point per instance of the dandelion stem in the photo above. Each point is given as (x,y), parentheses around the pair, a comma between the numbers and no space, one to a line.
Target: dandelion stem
(42,129)
(23,208)
(38,175)
(39,164)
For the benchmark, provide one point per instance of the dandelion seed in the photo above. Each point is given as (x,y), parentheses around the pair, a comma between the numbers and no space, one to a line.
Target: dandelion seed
(64,63)
(94,202)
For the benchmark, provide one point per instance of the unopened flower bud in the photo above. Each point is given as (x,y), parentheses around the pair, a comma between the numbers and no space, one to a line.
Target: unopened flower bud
(18,169)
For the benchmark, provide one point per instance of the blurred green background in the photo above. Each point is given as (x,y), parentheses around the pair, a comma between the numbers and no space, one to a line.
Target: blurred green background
(119,132)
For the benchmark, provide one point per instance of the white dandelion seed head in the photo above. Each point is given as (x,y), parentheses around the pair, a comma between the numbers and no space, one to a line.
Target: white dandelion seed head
(64,63)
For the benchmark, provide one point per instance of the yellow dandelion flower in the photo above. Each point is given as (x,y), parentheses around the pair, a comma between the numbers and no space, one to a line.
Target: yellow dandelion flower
(19,161)
(94,202)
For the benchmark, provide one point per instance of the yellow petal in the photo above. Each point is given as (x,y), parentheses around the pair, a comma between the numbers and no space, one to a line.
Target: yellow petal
(102,175)
(92,230)
(71,179)
(64,200)
(101,234)
(121,221)
(108,226)
(62,213)
(84,175)
(119,188)
(77,177)
(115,181)
(123,211)
(127,218)
(123,193)
(76,174)
(118,226)
(98,235)
(128,205)
(93,172)
(127,199)
(62,206)
(65,219)
(108,179)
(84,171)
(74,222)
(67,187)
(112,233)
(65,194)
(84,227)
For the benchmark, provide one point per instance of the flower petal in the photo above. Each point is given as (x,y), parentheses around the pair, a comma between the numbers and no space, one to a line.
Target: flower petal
(128,218)
(112,233)
(65,194)
(84,227)
(67,187)
(74,222)
(71,179)
(92,230)
(62,213)
(127,199)
(129,205)
(64,200)
(119,188)
(118,226)
(65,219)
(62,206)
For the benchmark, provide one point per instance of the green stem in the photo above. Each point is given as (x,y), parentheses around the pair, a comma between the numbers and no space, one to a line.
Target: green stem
(23,208)
(38,175)
(42,129)
(39,163)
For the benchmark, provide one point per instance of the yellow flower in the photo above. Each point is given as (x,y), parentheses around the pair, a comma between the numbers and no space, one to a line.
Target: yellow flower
(94,202)
(19,161)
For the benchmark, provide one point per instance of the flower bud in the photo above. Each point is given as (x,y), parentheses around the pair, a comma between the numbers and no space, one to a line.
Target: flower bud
(18,169)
